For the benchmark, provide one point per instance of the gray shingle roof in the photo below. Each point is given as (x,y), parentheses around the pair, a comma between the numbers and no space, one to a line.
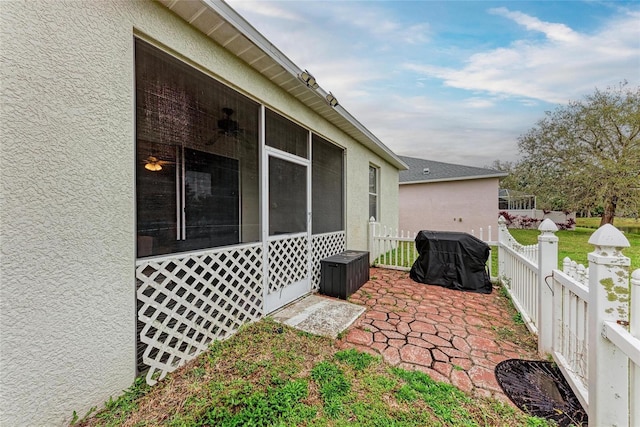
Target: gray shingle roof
(439,171)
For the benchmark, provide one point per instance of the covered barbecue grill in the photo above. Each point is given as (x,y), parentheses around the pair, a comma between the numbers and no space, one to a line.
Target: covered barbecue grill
(453,260)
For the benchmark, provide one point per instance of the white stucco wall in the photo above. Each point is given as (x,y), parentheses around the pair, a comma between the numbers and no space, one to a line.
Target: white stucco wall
(67,194)
(450,206)
(358,161)
(66,206)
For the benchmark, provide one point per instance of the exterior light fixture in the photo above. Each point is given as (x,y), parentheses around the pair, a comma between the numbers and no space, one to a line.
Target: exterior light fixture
(308,79)
(332,100)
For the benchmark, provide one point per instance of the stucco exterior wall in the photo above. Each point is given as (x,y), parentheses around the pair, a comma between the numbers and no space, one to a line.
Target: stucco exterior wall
(67,209)
(67,194)
(450,206)
(358,161)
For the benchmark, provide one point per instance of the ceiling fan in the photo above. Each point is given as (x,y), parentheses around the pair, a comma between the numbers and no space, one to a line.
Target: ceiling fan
(154,164)
(227,127)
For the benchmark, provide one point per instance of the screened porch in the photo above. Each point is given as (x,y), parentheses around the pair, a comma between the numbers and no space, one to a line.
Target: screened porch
(236,205)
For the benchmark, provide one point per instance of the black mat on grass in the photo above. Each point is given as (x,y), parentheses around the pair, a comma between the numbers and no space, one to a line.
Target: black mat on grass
(539,389)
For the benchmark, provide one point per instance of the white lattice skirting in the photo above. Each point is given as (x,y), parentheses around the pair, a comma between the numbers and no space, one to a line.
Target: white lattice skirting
(323,246)
(288,262)
(186,301)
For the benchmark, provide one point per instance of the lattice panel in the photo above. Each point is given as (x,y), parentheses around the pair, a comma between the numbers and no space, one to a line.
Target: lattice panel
(323,246)
(185,302)
(288,261)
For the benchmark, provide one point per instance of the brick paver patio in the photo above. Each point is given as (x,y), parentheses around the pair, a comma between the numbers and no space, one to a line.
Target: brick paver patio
(452,336)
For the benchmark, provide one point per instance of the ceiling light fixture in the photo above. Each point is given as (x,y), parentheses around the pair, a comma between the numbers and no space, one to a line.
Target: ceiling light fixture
(153,164)
(332,100)
(308,79)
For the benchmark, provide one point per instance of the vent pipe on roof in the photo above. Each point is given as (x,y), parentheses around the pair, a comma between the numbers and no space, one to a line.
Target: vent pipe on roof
(425,171)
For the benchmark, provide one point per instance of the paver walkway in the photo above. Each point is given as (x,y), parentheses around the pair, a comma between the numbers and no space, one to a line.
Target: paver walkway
(453,336)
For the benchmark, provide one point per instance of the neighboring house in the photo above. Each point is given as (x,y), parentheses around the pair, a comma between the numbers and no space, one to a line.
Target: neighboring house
(515,200)
(519,209)
(167,175)
(448,197)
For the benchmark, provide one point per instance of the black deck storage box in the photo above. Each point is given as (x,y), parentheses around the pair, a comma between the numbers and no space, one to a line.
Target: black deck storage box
(453,260)
(343,274)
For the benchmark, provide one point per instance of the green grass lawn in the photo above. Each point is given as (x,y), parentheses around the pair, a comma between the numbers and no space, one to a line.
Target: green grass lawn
(272,375)
(574,244)
(618,222)
(405,252)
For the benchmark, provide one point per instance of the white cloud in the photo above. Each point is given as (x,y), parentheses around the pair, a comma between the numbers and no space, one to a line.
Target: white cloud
(476,102)
(565,66)
(266,9)
(473,114)
(557,32)
(443,130)
(377,22)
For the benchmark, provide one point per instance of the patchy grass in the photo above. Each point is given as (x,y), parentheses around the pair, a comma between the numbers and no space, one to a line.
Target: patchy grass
(517,332)
(268,374)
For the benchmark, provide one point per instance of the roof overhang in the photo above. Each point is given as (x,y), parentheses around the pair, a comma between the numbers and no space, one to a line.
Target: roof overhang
(458,178)
(226,27)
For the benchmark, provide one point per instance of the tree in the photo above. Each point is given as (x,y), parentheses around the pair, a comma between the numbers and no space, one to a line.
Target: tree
(507,167)
(586,154)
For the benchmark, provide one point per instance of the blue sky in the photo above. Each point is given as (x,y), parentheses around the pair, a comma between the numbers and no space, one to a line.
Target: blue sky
(454,81)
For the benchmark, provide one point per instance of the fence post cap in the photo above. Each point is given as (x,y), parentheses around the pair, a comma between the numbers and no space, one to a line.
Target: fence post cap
(372,219)
(635,276)
(609,236)
(548,226)
(502,220)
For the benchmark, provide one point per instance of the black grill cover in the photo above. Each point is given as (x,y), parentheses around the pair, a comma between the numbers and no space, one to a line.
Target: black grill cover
(453,260)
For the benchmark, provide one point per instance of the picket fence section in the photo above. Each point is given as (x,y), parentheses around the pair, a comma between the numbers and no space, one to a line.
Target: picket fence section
(582,317)
(570,315)
(518,270)
(389,248)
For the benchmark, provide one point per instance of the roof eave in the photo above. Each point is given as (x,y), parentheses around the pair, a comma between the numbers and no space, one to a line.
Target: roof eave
(458,178)
(315,99)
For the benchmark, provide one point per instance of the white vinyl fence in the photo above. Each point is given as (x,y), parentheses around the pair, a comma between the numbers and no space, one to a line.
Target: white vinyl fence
(582,317)
(395,249)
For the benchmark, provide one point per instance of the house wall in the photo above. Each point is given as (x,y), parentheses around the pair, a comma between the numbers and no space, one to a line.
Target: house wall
(358,197)
(67,194)
(450,206)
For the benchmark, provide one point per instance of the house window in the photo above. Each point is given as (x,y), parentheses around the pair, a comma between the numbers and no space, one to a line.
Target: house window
(327,179)
(373,192)
(197,182)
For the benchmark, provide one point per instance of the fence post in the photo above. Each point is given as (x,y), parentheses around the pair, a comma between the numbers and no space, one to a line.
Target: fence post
(502,233)
(547,261)
(634,329)
(608,301)
(372,231)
